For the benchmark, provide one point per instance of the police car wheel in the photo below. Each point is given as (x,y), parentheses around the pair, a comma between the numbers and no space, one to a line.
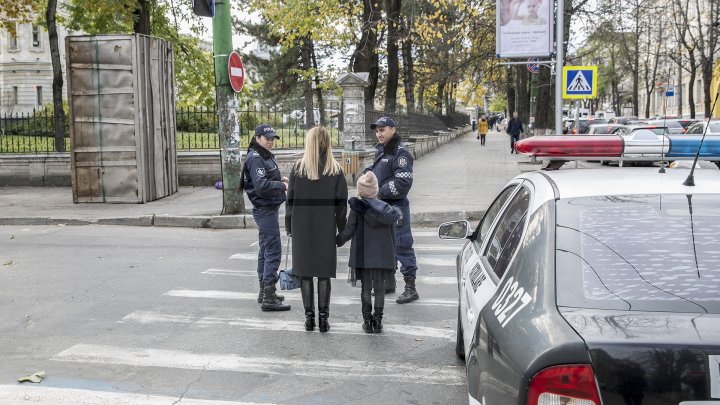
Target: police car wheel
(459,343)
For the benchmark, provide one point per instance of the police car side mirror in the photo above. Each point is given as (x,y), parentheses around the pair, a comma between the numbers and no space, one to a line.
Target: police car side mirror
(454,230)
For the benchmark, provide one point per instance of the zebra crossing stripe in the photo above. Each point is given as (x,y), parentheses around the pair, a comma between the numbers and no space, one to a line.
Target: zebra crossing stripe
(34,394)
(441,260)
(294,296)
(428,280)
(347,328)
(335,369)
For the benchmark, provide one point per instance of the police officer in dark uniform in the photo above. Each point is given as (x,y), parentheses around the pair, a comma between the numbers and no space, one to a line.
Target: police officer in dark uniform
(266,189)
(393,167)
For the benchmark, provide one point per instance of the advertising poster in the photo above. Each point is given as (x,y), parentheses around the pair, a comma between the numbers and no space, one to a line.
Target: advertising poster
(524,28)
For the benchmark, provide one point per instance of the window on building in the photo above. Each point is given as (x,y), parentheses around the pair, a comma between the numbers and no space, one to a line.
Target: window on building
(12,33)
(36,35)
(39,95)
(14,99)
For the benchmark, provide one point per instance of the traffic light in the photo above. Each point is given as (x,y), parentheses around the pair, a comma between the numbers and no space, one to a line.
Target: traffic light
(204,8)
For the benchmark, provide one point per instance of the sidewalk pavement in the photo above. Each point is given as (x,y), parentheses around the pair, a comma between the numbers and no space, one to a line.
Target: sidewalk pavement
(457,181)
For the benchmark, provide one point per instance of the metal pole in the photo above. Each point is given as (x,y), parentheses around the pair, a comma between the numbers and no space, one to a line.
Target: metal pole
(559,62)
(227,110)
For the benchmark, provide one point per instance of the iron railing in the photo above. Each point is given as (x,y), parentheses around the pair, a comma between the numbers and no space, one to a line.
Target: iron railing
(32,133)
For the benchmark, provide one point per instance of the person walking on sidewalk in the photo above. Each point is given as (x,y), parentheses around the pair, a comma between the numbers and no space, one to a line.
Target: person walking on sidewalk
(482,130)
(314,214)
(371,225)
(266,188)
(514,129)
(393,167)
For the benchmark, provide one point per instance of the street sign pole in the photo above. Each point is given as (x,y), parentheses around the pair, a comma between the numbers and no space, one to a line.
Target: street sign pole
(227,109)
(559,62)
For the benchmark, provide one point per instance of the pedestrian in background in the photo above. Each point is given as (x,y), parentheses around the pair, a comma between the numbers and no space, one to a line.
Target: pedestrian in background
(514,129)
(474,127)
(393,167)
(371,225)
(315,214)
(482,130)
(266,187)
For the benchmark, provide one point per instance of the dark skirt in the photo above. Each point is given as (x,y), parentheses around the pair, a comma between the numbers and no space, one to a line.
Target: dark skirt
(366,276)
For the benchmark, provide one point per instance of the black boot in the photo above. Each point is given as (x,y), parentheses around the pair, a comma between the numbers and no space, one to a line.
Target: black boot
(323,304)
(410,293)
(366,307)
(271,302)
(377,320)
(308,298)
(262,289)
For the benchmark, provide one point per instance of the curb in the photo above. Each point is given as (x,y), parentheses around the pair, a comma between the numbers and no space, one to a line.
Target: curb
(240,221)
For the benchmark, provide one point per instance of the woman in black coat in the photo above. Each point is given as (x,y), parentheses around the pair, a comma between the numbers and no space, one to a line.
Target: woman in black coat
(315,213)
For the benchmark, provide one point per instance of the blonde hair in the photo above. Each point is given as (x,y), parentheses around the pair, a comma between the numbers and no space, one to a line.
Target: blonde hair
(317,141)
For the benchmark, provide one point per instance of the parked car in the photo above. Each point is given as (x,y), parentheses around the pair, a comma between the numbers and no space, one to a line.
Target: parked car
(623,120)
(594,287)
(672,125)
(698,128)
(581,126)
(685,122)
(597,129)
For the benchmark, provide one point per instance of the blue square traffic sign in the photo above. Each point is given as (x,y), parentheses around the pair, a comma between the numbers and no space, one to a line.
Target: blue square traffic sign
(579,81)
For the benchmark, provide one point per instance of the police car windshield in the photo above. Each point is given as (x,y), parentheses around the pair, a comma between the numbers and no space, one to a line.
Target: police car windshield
(642,253)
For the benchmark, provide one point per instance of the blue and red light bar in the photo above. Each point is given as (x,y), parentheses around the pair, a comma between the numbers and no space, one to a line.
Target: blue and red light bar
(616,146)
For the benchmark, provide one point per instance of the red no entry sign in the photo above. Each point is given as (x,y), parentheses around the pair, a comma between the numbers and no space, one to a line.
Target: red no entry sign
(236,71)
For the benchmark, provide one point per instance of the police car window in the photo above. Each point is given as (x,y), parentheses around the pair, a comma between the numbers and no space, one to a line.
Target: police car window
(505,238)
(639,252)
(490,214)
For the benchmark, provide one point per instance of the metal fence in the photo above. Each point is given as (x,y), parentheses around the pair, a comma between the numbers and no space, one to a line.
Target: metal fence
(415,124)
(32,133)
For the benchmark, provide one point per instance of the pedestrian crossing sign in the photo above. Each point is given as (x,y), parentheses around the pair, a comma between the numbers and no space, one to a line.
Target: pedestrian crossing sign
(579,81)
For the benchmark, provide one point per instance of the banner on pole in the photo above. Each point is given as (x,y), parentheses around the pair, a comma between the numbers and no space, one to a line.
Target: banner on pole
(523,28)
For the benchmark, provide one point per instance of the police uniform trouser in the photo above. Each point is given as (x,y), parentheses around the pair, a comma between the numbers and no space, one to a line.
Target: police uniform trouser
(404,251)
(270,244)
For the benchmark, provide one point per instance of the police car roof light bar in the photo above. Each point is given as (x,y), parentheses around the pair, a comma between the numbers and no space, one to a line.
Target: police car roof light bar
(690,181)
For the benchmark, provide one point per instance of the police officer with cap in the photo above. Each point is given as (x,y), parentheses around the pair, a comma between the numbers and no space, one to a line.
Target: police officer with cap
(266,189)
(393,167)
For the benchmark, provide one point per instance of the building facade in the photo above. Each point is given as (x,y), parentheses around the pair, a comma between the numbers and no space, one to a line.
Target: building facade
(26,67)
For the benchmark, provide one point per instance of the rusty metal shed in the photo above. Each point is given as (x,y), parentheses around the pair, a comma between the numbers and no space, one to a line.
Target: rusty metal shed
(121,92)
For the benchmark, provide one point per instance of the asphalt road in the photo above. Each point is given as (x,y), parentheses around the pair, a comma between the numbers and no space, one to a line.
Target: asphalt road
(166,315)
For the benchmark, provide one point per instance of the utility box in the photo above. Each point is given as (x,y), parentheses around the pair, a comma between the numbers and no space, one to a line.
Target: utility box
(121,92)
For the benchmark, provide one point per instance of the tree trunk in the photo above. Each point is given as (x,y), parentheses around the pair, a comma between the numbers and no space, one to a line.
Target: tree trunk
(365,58)
(408,69)
(707,72)
(142,17)
(318,89)
(306,58)
(691,87)
(523,93)
(545,102)
(421,99)
(440,96)
(393,70)
(57,86)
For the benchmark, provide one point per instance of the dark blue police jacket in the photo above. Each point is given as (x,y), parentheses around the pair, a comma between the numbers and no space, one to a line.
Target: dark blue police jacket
(393,167)
(262,179)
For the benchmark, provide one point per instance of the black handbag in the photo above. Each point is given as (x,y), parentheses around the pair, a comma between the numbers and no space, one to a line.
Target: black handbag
(288,280)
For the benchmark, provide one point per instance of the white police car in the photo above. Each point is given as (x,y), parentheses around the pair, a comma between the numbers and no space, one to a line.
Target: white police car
(594,286)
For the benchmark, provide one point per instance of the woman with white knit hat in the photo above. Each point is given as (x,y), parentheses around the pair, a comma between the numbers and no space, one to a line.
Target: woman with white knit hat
(371,225)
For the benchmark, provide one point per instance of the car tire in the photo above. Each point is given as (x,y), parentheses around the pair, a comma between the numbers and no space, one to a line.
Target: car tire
(459,341)
(605,162)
